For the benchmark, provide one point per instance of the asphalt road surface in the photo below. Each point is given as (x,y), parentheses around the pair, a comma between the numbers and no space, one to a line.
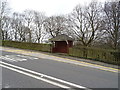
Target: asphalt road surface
(24,69)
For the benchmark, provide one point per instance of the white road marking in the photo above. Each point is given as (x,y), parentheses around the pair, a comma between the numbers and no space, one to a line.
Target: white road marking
(16,58)
(43,75)
(65,60)
(36,77)
(8,59)
(27,57)
(12,58)
(7,86)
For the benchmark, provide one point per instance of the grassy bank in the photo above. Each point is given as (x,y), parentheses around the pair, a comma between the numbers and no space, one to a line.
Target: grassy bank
(103,55)
(26,45)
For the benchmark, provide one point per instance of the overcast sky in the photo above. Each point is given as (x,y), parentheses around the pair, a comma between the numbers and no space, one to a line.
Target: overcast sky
(50,7)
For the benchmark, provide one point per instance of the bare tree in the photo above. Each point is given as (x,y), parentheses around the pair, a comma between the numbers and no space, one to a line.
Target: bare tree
(6,28)
(86,23)
(29,18)
(27,26)
(112,19)
(39,18)
(4,11)
(55,25)
(18,27)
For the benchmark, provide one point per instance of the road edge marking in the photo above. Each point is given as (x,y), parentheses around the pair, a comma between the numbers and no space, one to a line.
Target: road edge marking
(102,67)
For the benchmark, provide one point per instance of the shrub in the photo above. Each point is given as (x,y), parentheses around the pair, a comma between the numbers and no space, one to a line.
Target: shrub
(26,45)
(104,55)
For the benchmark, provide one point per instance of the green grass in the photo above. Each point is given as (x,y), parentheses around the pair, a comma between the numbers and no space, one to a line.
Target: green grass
(26,45)
(102,55)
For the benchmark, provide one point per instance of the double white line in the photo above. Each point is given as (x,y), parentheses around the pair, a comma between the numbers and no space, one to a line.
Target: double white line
(49,79)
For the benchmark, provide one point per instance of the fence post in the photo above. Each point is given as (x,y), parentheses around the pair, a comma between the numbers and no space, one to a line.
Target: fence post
(84,52)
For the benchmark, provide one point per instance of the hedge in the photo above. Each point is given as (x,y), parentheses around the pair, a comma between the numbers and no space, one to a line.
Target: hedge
(26,45)
(103,55)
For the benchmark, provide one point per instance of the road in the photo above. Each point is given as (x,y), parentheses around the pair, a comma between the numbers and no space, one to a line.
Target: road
(29,69)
